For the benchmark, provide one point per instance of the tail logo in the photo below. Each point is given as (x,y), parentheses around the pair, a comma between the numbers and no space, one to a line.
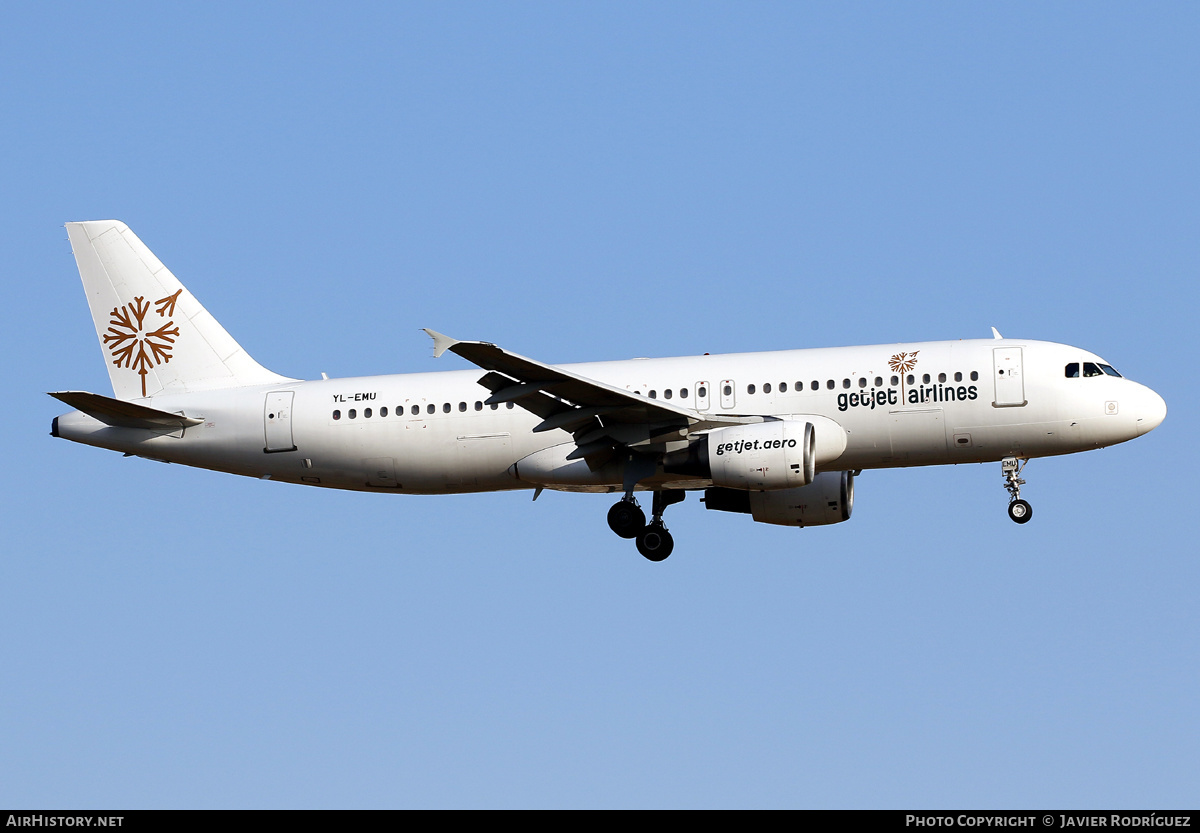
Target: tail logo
(130,341)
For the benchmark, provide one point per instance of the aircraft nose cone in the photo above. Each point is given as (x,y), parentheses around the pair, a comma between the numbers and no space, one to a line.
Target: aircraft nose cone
(1151,413)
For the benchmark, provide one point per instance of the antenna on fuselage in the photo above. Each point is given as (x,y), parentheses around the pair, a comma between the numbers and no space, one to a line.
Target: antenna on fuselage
(996,333)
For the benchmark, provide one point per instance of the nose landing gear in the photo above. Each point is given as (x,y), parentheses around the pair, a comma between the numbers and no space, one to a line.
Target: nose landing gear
(1019,510)
(628,520)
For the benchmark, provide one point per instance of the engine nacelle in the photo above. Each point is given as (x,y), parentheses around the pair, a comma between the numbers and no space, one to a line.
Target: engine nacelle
(762,456)
(829,499)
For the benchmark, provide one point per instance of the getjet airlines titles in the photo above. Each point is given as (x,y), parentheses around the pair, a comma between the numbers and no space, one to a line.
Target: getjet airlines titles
(779,436)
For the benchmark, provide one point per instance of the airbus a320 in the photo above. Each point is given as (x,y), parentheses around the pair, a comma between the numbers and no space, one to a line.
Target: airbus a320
(779,436)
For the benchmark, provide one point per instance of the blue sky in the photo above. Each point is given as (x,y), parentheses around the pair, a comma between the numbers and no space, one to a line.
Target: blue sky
(602,181)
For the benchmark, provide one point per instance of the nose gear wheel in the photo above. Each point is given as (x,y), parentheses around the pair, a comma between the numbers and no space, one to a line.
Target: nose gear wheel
(1019,510)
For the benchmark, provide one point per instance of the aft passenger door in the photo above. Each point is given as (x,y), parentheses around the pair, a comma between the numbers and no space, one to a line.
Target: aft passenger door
(277,418)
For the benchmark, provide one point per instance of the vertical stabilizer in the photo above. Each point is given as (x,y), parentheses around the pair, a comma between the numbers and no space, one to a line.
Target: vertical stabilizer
(155,336)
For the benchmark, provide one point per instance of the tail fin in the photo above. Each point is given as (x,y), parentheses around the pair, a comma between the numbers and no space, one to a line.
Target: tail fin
(156,337)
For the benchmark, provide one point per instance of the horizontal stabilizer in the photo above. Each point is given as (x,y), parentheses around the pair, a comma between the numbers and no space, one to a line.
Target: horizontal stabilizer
(121,414)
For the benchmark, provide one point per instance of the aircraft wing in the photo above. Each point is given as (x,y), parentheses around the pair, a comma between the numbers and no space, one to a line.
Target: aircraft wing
(600,416)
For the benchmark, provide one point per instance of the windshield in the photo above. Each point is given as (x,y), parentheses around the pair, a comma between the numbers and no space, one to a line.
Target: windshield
(1091,369)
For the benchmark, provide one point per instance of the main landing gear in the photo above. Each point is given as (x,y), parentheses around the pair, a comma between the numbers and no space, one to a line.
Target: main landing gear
(1019,510)
(628,520)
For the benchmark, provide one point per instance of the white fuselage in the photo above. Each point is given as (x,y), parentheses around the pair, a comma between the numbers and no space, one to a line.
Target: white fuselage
(967,401)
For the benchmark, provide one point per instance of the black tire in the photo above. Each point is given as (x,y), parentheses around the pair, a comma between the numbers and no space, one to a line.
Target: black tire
(655,543)
(1020,511)
(626,519)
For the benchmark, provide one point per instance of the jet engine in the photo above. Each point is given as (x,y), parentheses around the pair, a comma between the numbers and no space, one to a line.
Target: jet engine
(763,456)
(829,499)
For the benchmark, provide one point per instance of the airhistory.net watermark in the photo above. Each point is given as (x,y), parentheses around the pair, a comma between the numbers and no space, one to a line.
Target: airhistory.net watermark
(44,820)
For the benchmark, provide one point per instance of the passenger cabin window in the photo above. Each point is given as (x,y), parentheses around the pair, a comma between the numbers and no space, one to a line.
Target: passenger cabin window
(495,405)
(383,411)
(895,381)
(941,377)
(925,379)
(1072,370)
(783,387)
(878,381)
(911,378)
(816,385)
(845,383)
(829,384)
(668,393)
(462,407)
(416,409)
(508,405)
(654,394)
(478,405)
(958,377)
(337,414)
(430,408)
(367,413)
(703,391)
(862,381)
(683,393)
(750,388)
(767,387)
(352,414)
(727,390)
(974,376)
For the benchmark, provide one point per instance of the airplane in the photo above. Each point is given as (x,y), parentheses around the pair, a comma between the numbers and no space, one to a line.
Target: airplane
(779,436)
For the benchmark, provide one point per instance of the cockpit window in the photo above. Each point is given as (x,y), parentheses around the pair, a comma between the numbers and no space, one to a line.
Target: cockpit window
(1109,370)
(1073,370)
(1090,369)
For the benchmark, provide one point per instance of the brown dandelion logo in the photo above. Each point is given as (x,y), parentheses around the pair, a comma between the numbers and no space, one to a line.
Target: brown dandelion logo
(902,363)
(132,345)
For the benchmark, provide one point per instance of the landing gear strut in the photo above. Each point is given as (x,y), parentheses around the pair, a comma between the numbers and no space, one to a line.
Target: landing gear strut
(1019,510)
(628,520)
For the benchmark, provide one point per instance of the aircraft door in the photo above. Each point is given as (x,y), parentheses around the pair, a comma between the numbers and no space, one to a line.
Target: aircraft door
(728,394)
(702,396)
(1010,380)
(277,419)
